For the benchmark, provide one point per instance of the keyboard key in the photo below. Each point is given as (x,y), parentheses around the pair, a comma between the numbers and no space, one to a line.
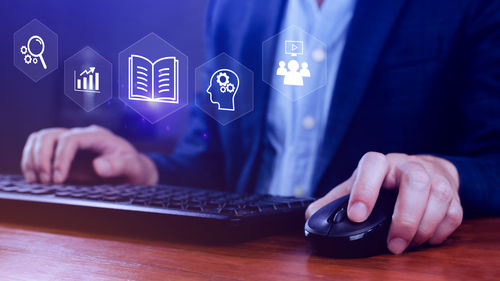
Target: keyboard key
(213,210)
(23,190)
(9,188)
(94,196)
(212,204)
(175,206)
(161,197)
(63,194)
(282,206)
(157,204)
(296,204)
(228,211)
(140,201)
(41,191)
(267,208)
(116,198)
(232,205)
(243,212)
(194,208)
(77,195)
(254,208)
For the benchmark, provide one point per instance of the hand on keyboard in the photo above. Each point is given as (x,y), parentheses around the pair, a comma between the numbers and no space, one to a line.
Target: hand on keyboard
(49,153)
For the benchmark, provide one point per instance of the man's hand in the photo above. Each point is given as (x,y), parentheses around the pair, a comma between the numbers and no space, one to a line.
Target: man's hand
(48,155)
(427,208)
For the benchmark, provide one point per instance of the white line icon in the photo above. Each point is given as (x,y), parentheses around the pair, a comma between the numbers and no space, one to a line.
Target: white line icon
(294,48)
(87,81)
(153,81)
(31,56)
(224,85)
(293,71)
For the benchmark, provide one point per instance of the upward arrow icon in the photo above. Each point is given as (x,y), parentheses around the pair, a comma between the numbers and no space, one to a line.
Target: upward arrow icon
(89,71)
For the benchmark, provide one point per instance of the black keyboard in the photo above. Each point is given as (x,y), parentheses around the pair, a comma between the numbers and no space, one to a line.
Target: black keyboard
(204,215)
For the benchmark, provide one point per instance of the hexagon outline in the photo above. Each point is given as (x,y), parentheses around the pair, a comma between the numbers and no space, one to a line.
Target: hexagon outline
(180,106)
(101,57)
(253,81)
(273,38)
(15,53)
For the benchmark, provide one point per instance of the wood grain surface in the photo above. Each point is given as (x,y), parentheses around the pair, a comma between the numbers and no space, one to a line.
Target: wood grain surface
(38,253)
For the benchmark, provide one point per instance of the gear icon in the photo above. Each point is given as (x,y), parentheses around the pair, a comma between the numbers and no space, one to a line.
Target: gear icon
(27,59)
(223,89)
(35,60)
(230,88)
(226,79)
(24,50)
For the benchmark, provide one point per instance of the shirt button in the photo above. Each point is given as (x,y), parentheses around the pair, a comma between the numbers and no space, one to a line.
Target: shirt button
(308,123)
(319,55)
(298,191)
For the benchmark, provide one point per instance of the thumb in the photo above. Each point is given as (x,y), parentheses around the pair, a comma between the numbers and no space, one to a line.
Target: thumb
(337,192)
(120,165)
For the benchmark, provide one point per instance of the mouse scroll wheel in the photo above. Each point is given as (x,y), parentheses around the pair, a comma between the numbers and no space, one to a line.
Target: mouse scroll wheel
(338,216)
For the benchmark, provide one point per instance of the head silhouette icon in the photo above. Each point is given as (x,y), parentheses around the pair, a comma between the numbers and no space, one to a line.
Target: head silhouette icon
(223,87)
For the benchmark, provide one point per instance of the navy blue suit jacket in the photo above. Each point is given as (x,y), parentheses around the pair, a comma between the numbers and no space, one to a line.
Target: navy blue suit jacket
(417,77)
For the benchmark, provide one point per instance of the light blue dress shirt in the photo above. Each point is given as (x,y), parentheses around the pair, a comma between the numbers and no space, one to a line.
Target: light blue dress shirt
(295,128)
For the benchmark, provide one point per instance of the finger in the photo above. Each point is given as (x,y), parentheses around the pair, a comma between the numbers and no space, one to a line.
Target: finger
(451,222)
(439,202)
(337,192)
(27,165)
(120,165)
(395,159)
(371,172)
(410,205)
(43,151)
(71,141)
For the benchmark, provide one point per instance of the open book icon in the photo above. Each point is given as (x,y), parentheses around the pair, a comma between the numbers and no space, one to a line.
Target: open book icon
(153,81)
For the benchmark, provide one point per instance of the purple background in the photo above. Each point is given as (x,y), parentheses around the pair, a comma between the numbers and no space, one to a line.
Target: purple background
(108,27)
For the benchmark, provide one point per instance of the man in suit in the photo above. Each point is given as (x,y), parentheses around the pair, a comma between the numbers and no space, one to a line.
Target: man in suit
(412,102)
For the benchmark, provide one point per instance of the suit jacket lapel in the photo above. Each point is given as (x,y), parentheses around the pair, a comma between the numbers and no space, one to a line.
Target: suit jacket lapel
(369,29)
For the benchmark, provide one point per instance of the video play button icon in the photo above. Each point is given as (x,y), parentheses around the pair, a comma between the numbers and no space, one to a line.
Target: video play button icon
(294,48)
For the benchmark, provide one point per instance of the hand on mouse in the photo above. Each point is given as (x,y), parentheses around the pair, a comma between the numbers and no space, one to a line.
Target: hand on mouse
(48,156)
(427,209)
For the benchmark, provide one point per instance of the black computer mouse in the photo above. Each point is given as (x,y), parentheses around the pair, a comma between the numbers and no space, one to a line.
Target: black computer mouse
(331,233)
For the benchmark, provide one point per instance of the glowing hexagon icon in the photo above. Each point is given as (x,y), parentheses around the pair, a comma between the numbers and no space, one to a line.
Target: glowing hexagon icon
(299,63)
(88,79)
(153,78)
(224,89)
(36,50)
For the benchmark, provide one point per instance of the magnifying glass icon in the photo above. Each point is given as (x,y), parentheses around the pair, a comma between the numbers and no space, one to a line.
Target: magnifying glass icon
(37,40)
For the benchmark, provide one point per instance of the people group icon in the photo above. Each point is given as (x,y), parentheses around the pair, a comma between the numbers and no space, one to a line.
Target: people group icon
(292,74)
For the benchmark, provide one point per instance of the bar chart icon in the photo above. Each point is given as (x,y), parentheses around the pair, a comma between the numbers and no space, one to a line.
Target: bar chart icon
(87,81)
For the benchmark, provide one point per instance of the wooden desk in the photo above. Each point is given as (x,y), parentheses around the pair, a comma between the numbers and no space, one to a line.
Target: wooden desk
(34,253)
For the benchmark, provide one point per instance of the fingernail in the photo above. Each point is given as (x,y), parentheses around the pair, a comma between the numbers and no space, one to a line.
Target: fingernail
(30,177)
(397,245)
(103,168)
(44,177)
(358,212)
(58,176)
